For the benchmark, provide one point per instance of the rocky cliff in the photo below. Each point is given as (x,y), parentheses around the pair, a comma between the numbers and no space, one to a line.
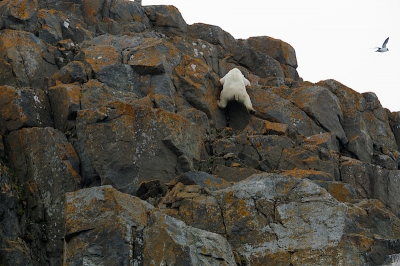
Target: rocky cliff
(114,152)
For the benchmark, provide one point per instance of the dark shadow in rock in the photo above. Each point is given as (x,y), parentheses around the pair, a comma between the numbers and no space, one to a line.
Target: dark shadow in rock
(236,115)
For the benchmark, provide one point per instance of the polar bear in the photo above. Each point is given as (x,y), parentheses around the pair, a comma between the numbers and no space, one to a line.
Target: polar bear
(234,88)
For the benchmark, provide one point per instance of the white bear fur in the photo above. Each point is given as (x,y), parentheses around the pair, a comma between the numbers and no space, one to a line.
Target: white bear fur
(234,88)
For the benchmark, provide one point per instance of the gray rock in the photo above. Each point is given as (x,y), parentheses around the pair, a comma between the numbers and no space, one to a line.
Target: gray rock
(23,107)
(271,107)
(19,15)
(212,34)
(323,106)
(167,19)
(371,181)
(43,156)
(123,144)
(259,63)
(24,60)
(263,212)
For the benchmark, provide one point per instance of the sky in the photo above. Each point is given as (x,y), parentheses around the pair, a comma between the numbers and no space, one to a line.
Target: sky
(333,39)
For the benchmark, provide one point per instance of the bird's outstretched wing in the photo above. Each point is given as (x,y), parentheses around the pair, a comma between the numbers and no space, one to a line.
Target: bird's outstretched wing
(385,42)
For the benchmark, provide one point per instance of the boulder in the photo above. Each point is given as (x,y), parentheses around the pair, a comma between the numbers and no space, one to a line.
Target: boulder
(128,231)
(281,51)
(323,107)
(167,19)
(373,182)
(24,60)
(23,107)
(365,122)
(259,63)
(261,225)
(13,250)
(139,143)
(19,14)
(273,108)
(43,156)
(212,34)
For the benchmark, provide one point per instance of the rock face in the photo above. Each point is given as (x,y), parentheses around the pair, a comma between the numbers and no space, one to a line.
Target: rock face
(113,150)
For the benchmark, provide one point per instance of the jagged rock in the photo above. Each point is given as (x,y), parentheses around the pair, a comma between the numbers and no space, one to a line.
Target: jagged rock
(43,156)
(168,19)
(19,14)
(371,181)
(23,107)
(183,245)
(24,59)
(134,90)
(65,102)
(394,121)
(233,173)
(202,179)
(133,137)
(13,250)
(323,106)
(260,223)
(107,66)
(115,17)
(153,56)
(74,71)
(212,34)
(135,235)
(271,107)
(197,87)
(281,51)
(263,127)
(248,57)
(365,122)
(327,141)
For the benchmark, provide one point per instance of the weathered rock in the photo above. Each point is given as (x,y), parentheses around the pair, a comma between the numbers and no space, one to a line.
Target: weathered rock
(197,87)
(281,51)
(394,121)
(167,19)
(107,66)
(183,245)
(259,63)
(233,173)
(202,179)
(323,106)
(271,107)
(327,141)
(74,71)
(19,14)
(13,250)
(139,143)
(23,107)
(153,56)
(374,182)
(277,49)
(65,103)
(114,17)
(24,59)
(365,122)
(262,212)
(135,235)
(212,34)
(43,156)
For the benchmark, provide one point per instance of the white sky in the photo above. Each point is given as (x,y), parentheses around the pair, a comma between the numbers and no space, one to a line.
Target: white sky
(333,39)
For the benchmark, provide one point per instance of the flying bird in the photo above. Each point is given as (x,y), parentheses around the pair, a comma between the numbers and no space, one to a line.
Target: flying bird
(383,49)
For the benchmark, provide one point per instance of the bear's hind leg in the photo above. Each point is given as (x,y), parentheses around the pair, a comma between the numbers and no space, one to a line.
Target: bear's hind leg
(247,103)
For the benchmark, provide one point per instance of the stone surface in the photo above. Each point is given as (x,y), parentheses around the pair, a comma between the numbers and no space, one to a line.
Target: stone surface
(24,59)
(112,106)
(139,142)
(23,107)
(44,157)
